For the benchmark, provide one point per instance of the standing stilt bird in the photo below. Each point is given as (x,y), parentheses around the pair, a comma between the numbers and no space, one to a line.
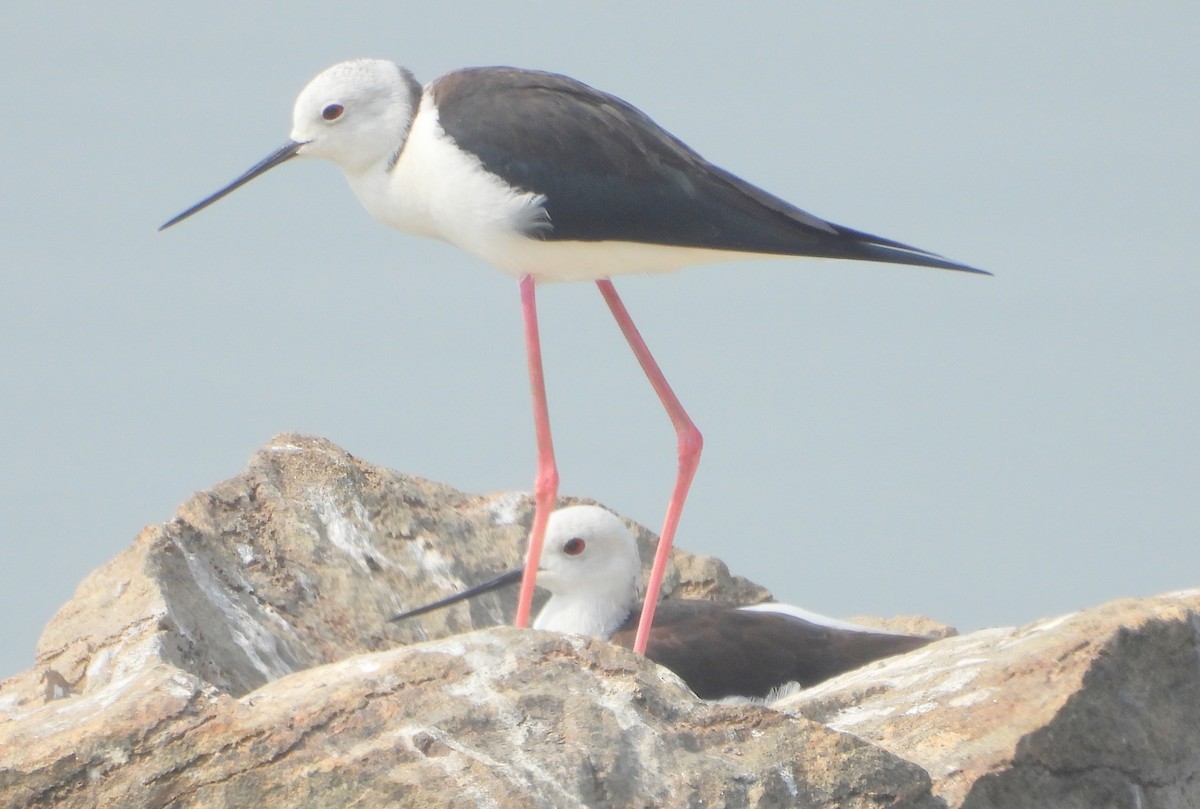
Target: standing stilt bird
(551,180)
(591,568)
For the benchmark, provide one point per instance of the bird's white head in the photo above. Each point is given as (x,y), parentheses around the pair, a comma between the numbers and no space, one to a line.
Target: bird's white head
(591,567)
(356,113)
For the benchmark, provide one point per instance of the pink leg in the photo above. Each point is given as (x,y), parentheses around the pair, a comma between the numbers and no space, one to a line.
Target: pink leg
(690,442)
(545,486)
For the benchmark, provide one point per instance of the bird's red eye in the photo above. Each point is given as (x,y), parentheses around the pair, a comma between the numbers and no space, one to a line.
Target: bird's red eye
(332,112)
(574,546)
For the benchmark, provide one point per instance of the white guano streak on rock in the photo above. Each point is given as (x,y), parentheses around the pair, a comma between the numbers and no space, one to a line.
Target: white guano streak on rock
(1053,623)
(286,449)
(345,532)
(65,714)
(451,765)
(488,665)
(434,567)
(505,508)
(112,757)
(62,715)
(972,698)
(246,630)
(129,653)
(634,729)
(789,781)
(924,682)
(617,697)
(492,663)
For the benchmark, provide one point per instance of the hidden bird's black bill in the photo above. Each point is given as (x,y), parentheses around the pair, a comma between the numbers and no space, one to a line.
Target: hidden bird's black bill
(280,155)
(511,577)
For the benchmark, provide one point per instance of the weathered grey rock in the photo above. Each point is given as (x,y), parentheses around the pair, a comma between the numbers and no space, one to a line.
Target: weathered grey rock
(299,561)
(239,655)
(1099,708)
(499,717)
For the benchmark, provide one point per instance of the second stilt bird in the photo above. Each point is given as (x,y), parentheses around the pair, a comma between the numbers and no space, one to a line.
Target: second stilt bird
(592,569)
(549,179)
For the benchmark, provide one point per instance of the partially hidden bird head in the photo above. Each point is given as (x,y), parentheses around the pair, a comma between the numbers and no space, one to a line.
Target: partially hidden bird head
(591,566)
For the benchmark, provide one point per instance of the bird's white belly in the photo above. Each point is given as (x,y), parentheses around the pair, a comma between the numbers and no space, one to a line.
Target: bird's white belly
(437,190)
(588,261)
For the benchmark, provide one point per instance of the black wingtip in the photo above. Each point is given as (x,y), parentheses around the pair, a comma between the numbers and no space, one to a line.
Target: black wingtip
(920,258)
(867,247)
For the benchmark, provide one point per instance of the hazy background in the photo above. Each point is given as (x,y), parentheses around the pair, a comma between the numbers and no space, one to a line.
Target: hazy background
(879,439)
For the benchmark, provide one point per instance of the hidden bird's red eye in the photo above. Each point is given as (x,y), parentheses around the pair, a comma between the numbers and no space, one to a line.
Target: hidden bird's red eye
(574,546)
(332,112)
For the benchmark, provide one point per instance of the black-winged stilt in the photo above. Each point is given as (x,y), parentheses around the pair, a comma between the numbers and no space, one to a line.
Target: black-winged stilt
(591,567)
(549,179)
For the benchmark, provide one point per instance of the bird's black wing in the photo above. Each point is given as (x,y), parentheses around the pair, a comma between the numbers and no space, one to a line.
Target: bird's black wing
(609,173)
(720,652)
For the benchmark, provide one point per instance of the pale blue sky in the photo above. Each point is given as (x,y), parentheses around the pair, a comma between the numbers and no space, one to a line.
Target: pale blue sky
(879,439)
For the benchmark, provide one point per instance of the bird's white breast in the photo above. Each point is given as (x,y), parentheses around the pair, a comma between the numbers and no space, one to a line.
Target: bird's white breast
(436,189)
(575,615)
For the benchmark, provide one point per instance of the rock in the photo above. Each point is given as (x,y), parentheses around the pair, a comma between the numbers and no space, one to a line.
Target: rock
(498,717)
(239,655)
(1096,708)
(299,561)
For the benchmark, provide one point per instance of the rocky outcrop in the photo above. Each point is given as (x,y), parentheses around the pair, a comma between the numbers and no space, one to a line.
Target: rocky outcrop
(297,562)
(239,655)
(1097,708)
(494,718)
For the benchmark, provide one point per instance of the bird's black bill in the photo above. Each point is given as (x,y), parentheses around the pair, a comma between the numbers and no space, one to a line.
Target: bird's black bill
(280,155)
(511,577)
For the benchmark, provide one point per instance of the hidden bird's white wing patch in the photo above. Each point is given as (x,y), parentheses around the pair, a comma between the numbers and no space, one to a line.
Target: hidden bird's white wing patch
(813,617)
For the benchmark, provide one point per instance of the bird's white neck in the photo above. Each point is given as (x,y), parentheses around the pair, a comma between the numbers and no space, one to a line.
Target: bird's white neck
(593,615)
(435,189)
